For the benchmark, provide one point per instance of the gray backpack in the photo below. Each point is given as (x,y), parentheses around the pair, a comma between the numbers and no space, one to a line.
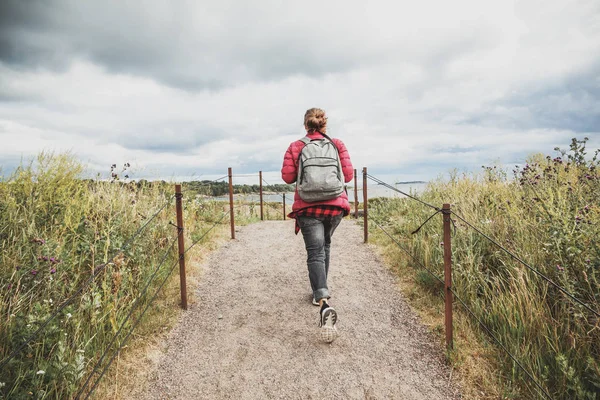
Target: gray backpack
(319,170)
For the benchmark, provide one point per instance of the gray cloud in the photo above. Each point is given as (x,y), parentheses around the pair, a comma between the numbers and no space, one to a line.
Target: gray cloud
(181,46)
(572,103)
(170,137)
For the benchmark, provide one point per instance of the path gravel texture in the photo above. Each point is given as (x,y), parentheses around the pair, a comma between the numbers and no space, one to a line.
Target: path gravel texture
(253,333)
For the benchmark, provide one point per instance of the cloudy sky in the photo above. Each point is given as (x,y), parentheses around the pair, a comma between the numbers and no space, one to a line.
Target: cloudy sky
(189,88)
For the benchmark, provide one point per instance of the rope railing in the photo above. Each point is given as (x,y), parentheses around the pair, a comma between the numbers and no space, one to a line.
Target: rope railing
(539,388)
(70,299)
(517,258)
(98,364)
(105,359)
(488,330)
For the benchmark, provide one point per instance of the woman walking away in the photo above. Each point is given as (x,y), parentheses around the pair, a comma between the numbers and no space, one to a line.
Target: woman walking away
(320,166)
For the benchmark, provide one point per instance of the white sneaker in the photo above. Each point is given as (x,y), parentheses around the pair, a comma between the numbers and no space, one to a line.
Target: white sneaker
(327,323)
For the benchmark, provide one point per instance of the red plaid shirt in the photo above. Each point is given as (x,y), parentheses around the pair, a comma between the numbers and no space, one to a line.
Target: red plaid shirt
(318,211)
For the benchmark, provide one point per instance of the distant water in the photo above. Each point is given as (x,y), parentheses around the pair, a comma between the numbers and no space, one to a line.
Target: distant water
(374,190)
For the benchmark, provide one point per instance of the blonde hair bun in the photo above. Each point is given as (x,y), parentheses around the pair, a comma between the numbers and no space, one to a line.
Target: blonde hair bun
(315,120)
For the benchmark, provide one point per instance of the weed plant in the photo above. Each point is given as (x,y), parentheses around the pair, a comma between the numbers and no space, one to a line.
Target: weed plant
(547,213)
(56,231)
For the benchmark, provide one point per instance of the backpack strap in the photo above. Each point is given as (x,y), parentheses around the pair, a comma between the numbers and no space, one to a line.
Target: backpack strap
(306,140)
(331,140)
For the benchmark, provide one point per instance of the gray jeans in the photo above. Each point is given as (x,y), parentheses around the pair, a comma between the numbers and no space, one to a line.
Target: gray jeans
(317,240)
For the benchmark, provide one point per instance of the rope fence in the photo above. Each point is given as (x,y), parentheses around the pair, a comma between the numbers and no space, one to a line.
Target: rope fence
(450,291)
(104,361)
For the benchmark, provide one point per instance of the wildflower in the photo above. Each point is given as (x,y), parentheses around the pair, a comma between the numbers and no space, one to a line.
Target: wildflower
(2,384)
(18,267)
(53,270)
(33,272)
(558,267)
(587,261)
(9,286)
(40,372)
(441,243)
(69,315)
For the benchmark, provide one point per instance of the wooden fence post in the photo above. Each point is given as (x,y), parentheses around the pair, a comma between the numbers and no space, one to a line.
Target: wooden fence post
(355,194)
(365,205)
(261,197)
(181,246)
(231,213)
(448,276)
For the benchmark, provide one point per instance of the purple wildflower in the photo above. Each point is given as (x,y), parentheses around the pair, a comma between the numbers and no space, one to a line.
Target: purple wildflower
(558,267)
(33,272)
(441,243)
(53,270)
(18,267)
(9,286)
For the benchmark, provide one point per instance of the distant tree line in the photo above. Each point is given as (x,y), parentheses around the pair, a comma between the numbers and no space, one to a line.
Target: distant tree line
(207,188)
(210,188)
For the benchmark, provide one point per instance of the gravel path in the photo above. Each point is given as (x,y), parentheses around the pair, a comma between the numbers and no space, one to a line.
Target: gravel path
(253,334)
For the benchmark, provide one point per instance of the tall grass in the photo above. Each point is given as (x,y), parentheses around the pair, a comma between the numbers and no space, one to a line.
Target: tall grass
(56,229)
(548,214)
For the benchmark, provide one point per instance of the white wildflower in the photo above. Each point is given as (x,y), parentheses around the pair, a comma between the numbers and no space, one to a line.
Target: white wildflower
(2,384)
(40,372)
(69,315)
